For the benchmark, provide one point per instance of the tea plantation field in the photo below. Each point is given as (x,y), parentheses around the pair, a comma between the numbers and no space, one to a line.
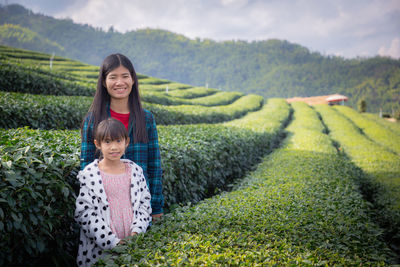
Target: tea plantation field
(247,181)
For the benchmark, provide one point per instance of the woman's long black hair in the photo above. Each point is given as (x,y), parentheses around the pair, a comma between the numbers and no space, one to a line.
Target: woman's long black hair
(98,109)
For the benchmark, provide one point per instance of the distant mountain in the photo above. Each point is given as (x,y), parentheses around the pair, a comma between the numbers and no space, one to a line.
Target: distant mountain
(271,68)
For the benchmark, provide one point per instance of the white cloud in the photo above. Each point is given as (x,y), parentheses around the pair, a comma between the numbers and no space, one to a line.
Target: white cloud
(348,28)
(393,50)
(233,2)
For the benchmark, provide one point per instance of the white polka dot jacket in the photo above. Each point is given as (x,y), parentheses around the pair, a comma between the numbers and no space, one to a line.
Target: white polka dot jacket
(92,212)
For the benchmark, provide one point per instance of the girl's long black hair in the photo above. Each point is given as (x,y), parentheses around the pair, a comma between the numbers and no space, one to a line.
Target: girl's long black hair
(98,109)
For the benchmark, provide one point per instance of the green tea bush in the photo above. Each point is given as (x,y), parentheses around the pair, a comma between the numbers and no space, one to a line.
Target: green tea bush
(42,112)
(37,196)
(66,112)
(299,207)
(33,80)
(209,157)
(393,126)
(217,99)
(154,97)
(306,124)
(12,52)
(312,122)
(371,129)
(70,70)
(141,76)
(66,70)
(163,87)
(381,185)
(85,74)
(193,92)
(189,114)
(271,118)
(198,160)
(61,67)
(152,80)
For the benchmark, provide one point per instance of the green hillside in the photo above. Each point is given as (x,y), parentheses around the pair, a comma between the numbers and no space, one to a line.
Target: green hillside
(246,180)
(17,36)
(271,68)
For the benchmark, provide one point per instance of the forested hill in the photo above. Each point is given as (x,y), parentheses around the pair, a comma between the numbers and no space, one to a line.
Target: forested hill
(271,68)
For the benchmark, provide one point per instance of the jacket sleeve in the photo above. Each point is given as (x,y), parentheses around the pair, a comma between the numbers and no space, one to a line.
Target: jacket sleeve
(154,168)
(142,216)
(88,148)
(88,215)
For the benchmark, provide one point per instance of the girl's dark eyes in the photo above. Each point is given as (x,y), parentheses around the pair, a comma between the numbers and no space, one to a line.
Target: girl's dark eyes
(109,141)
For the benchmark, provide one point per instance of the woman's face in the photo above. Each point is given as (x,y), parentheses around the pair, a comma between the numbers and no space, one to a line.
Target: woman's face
(119,83)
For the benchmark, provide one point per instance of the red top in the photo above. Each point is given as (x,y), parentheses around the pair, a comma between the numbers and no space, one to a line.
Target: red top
(124,118)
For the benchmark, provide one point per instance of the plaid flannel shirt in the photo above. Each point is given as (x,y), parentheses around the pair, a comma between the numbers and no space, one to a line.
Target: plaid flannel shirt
(146,155)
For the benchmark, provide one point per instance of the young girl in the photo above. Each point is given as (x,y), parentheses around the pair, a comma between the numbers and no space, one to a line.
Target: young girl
(117,96)
(114,200)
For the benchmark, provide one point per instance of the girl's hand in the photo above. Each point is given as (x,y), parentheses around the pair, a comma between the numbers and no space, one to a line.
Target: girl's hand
(121,242)
(157,216)
(133,233)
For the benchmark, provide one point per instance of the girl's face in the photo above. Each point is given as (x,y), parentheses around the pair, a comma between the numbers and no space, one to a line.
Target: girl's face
(119,83)
(112,150)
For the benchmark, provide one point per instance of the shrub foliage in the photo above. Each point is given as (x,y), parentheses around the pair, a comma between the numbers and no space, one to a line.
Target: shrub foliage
(32,80)
(37,196)
(299,207)
(381,185)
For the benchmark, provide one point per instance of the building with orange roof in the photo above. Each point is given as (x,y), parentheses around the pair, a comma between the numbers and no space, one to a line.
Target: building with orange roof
(334,99)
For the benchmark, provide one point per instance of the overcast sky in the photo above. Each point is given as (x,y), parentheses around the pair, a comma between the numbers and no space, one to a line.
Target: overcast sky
(347,28)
